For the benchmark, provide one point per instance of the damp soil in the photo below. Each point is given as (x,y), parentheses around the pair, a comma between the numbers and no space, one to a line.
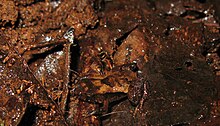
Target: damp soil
(109,62)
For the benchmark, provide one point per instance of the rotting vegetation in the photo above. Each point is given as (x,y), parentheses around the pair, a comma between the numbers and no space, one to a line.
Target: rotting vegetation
(109,62)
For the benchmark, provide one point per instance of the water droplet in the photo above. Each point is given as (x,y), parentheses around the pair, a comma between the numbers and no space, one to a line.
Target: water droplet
(69,35)
(47,38)
(172,5)
(119,30)
(55,3)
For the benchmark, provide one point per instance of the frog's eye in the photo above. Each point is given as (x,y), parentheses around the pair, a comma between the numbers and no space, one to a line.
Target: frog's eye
(134,67)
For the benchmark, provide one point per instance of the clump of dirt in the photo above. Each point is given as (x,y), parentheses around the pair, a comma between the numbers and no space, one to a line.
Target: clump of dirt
(8,13)
(109,62)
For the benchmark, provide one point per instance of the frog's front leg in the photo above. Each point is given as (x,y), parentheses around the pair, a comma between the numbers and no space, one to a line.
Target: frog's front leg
(145,94)
(138,93)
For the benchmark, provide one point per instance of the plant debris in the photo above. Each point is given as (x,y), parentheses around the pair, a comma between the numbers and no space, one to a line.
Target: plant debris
(109,62)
